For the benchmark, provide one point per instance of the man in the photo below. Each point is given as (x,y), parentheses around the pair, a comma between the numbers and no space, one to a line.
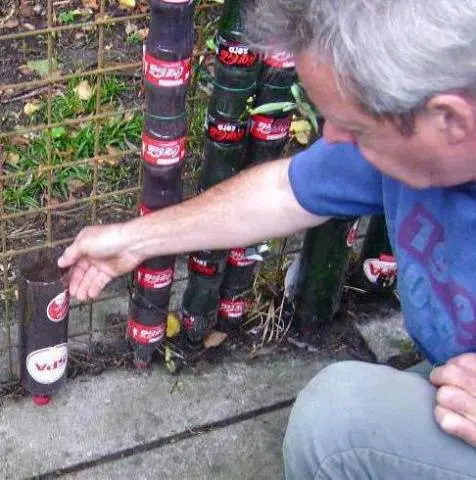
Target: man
(396,81)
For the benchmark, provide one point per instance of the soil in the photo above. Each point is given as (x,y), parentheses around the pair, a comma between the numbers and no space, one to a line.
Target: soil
(41,266)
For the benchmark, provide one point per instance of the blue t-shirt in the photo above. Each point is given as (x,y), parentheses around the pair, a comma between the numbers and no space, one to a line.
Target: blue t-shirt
(432,233)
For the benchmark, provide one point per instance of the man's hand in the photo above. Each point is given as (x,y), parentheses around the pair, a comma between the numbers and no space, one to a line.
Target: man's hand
(455,410)
(97,255)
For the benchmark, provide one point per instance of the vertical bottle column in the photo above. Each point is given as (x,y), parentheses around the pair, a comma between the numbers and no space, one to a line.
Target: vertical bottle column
(269,136)
(236,71)
(167,71)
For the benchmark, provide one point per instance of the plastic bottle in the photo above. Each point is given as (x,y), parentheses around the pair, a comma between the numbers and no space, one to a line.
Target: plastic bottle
(44,309)
(269,133)
(154,279)
(201,298)
(375,269)
(146,328)
(325,257)
(278,70)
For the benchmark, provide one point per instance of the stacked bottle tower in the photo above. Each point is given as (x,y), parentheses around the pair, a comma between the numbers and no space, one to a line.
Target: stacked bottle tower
(167,67)
(236,69)
(269,135)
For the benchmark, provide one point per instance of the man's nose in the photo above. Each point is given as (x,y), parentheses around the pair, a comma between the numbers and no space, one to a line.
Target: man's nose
(335,134)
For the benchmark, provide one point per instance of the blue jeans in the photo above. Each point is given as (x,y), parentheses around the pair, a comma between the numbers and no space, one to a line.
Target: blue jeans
(362,421)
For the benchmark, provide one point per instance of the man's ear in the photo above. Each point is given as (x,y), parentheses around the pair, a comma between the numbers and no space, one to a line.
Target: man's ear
(455,115)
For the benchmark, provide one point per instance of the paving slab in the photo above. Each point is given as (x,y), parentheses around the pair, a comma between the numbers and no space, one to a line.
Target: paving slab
(93,417)
(385,335)
(249,450)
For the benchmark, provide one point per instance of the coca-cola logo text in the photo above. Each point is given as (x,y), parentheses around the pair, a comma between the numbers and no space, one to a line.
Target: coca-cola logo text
(226,132)
(48,365)
(237,258)
(381,271)
(235,54)
(145,334)
(166,74)
(233,308)
(281,59)
(162,152)
(268,128)
(154,279)
(199,265)
(58,308)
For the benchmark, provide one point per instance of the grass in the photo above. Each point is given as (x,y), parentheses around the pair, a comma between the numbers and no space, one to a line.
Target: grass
(70,143)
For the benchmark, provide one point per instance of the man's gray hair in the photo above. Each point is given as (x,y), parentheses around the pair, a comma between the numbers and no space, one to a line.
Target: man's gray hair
(390,55)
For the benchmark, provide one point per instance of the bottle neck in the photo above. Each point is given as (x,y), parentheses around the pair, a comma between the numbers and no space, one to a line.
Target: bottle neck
(231,22)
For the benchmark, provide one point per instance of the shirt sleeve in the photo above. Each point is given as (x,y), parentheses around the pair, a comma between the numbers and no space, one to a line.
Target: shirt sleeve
(335,180)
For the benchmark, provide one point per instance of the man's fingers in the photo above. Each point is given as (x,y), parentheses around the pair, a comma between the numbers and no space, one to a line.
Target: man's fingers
(86,282)
(466,360)
(70,256)
(456,375)
(458,401)
(98,283)
(456,425)
(76,275)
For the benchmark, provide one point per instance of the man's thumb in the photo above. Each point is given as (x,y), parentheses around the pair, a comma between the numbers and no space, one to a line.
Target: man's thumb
(70,256)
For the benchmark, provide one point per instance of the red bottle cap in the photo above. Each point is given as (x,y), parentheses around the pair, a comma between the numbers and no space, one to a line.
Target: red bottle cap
(141,364)
(41,399)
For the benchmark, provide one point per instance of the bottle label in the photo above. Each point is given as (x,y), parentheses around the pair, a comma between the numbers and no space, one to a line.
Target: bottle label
(233,309)
(162,152)
(144,210)
(235,54)
(58,308)
(281,60)
(154,279)
(237,258)
(268,128)
(222,131)
(162,73)
(48,365)
(381,271)
(352,235)
(145,334)
(188,321)
(198,265)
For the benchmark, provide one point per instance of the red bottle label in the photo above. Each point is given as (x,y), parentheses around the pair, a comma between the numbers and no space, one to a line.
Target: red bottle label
(233,308)
(162,73)
(281,60)
(144,210)
(162,152)
(381,271)
(58,308)
(353,233)
(237,258)
(203,267)
(188,321)
(154,279)
(145,334)
(235,54)
(268,128)
(221,131)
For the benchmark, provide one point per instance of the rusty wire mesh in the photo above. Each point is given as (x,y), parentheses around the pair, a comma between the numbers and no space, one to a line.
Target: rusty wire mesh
(55,35)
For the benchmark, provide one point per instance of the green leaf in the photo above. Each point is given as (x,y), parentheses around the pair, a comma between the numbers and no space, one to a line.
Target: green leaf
(211,44)
(41,66)
(296,92)
(310,114)
(273,107)
(58,132)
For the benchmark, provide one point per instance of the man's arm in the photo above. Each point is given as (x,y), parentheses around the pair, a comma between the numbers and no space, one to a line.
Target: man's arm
(256,204)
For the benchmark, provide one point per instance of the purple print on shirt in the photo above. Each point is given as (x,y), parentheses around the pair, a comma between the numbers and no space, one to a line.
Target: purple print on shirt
(423,239)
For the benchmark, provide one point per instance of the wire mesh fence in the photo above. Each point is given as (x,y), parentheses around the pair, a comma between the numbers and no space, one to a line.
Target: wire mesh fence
(70,126)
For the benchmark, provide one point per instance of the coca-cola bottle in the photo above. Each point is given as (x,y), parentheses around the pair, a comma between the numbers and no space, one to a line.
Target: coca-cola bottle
(278,70)
(322,271)
(235,291)
(225,150)
(167,56)
(375,269)
(269,132)
(154,279)
(201,298)
(234,306)
(163,152)
(236,66)
(44,307)
(145,329)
